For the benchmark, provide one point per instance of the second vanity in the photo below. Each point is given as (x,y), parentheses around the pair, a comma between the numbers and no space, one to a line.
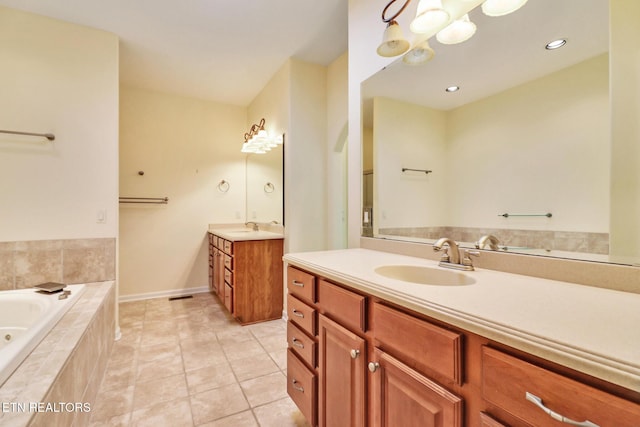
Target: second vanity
(245,271)
(380,339)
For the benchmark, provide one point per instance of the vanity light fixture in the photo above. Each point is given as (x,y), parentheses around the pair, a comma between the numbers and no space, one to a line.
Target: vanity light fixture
(429,17)
(556,44)
(420,54)
(501,7)
(451,89)
(258,140)
(458,31)
(393,41)
(434,18)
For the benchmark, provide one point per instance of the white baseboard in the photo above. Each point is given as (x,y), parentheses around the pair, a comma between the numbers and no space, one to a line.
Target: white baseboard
(161,294)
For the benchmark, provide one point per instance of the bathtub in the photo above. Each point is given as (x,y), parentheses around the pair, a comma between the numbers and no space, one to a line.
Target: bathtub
(26,317)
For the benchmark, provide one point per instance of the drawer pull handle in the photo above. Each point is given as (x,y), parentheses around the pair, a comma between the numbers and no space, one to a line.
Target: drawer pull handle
(296,386)
(297,313)
(538,402)
(373,366)
(297,343)
(354,353)
(298,284)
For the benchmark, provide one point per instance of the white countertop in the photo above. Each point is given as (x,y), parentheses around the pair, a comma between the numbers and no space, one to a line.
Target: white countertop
(592,330)
(243,234)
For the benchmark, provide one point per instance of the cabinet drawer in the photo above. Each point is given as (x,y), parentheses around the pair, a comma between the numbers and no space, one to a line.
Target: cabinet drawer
(347,307)
(487,421)
(228,262)
(301,344)
(216,242)
(228,247)
(228,277)
(302,387)
(301,284)
(301,314)
(420,344)
(228,297)
(506,380)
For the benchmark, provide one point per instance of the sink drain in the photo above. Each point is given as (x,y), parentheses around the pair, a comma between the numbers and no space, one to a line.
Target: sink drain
(8,337)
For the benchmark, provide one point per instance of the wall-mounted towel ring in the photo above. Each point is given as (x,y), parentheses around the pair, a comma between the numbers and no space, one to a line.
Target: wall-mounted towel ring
(269,188)
(223,186)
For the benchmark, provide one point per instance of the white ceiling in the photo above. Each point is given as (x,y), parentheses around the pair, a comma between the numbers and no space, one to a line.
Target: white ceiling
(221,50)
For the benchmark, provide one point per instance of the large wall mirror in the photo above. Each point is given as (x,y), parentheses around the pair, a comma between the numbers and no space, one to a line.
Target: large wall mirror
(522,151)
(265,186)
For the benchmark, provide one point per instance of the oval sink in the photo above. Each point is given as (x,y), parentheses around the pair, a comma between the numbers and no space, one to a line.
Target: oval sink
(425,275)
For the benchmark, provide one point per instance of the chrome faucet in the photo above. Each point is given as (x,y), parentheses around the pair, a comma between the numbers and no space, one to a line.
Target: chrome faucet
(488,239)
(255,225)
(453,260)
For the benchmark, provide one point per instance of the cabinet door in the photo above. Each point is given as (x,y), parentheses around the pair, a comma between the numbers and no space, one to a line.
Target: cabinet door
(342,375)
(219,273)
(403,397)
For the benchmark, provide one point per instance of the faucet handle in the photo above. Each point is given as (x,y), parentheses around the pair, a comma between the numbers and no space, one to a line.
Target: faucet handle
(445,253)
(467,257)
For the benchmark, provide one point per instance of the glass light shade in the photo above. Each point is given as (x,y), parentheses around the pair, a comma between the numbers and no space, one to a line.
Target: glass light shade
(458,31)
(420,54)
(501,7)
(393,41)
(247,148)
(430,16)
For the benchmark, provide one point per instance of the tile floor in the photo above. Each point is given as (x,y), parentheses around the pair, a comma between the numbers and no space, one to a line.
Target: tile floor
(188,363)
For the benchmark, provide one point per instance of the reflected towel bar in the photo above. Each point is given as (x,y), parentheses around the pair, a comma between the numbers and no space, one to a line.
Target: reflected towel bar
(417,170)
(147,200)
(49,136)
(507,215)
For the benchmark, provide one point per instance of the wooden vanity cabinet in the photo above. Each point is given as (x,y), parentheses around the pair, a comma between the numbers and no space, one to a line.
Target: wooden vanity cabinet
(369,362)
(247,276)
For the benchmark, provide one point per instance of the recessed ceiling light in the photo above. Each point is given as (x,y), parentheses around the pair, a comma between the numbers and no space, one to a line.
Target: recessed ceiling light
(555,44)
(452,89)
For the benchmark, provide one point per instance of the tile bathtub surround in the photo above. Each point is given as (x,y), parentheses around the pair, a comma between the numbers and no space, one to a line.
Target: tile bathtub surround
(571,241)
(25,264)
(68,364)
(188,363)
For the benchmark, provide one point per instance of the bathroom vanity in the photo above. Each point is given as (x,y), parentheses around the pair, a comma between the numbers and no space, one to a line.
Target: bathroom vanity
(380,339)
(245,271)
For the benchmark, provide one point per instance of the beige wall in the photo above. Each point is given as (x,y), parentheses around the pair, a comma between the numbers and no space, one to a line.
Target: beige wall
(625,112)
(185,147)
(60,78)
(408,136)
(337,132)
(513,147)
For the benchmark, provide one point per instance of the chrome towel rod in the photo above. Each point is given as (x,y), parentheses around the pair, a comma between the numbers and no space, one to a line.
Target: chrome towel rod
(147,200)
(49,136)
(507,215)
(417,170)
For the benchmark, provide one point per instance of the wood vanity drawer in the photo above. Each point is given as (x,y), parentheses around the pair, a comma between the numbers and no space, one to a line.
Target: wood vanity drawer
(506,380)
(301,344)
(301,284)
(228,262)
(342,305)
(228,277)
(216,242)
(228,247)
(211,239)
(303,315)
(302,386)
(418,343)
(228,297)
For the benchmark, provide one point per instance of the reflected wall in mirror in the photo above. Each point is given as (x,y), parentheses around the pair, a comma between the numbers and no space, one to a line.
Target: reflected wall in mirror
(265,186)
(528,134)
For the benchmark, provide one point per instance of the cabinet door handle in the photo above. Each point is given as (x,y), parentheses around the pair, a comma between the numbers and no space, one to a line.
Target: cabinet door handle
(296,386)
(298,284)
(558,417)
(297,313)
(373,366)
(297,343)
(354,353)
